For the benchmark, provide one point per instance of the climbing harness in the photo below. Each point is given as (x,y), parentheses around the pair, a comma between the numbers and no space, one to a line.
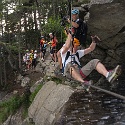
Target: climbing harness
(73,61)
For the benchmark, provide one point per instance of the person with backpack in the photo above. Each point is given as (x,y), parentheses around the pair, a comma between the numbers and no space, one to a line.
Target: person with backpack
(79,27)
(44,49)
(53,51)
(72,66)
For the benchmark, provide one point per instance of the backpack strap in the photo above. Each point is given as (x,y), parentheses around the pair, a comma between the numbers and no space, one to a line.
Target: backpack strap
(77,54)
(67,56)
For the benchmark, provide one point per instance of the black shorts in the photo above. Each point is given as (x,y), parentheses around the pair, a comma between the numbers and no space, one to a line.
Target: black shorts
(41,48)
(53,50)
(44,50)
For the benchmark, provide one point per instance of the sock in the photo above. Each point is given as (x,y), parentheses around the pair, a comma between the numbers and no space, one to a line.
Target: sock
(107,74)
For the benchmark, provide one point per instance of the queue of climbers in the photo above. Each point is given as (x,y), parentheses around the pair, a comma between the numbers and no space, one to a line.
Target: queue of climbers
(30,59)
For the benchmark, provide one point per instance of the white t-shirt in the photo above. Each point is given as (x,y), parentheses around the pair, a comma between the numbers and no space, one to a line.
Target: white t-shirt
(35,55)
(27,56)
(63,56)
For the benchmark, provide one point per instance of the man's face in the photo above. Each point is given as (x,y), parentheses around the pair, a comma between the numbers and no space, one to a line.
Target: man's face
(51,35)
(74,16)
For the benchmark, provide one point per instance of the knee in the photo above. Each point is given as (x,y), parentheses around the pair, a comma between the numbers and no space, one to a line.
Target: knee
(58,54)
(95,62)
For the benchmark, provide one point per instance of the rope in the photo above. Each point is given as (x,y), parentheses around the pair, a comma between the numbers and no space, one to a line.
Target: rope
(106,91)
(103,90)
(70,10)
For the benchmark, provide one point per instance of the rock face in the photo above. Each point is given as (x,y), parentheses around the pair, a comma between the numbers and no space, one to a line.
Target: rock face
(108,22)
(48,103)
(100,1)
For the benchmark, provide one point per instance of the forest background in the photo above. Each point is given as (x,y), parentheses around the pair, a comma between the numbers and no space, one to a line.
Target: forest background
(22,23)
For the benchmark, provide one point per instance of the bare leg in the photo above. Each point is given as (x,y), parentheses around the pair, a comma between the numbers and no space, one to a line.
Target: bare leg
(52,57)
(41,55)
(55,57)
(76,75)
(101,69)
(59,59)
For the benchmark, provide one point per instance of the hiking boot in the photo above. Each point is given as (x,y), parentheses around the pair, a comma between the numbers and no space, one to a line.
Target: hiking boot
(86,85)
(113,75)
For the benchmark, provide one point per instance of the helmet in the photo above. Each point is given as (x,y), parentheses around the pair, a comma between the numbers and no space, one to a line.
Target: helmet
(50,33)
(75,11)
(35,51)
(27,50)
(42,37)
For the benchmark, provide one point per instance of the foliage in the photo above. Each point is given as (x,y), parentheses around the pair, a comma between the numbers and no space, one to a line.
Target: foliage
(9,107)
(54,26)
(32,37)
(14,48)
(57,80)
(1,7)
(32,96)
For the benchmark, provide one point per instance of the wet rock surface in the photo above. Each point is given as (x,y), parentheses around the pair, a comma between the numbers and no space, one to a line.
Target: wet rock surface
(95,108)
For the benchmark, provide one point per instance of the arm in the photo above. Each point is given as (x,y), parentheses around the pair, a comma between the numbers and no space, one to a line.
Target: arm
(50,42)
(95,39)
(90,48)
(67,44)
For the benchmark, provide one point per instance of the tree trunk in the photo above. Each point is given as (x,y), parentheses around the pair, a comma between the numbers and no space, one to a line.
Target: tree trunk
(1,79)
(38,8)
(5,77)
(19,41)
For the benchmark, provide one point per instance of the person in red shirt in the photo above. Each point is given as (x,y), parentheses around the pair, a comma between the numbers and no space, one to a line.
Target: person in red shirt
(53,47)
